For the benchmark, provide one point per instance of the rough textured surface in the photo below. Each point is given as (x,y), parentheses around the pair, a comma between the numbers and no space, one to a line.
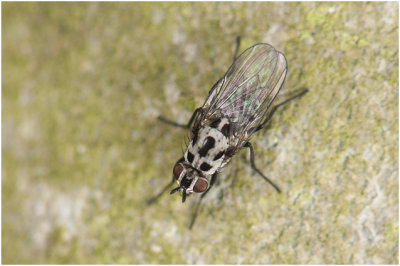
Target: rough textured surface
(82,149)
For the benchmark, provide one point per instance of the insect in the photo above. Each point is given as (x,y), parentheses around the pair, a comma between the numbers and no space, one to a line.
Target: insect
(237,106)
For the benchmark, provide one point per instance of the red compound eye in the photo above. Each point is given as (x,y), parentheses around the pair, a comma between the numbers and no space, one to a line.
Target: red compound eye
(177,170)
(201,185)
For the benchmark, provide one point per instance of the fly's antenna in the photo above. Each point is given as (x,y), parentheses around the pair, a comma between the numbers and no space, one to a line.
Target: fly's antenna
(179,189)
(175,190)
(184,195)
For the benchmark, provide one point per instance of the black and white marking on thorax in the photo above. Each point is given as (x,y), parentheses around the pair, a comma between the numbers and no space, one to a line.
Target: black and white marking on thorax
(207,148)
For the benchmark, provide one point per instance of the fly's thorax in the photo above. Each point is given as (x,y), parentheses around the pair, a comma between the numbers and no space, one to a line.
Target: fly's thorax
(207,148)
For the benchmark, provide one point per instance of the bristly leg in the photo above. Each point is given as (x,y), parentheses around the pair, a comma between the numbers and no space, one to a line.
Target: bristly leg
(236,48)
(172,123)
(212,181)
(156,197)
(166,187)
(273,110)
(266,120)
(189,124)
(253,165)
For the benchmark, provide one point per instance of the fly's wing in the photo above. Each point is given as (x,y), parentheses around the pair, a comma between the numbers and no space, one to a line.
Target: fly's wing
(247,90)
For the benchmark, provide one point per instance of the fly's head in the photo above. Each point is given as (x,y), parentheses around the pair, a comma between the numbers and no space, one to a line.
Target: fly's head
(189,180)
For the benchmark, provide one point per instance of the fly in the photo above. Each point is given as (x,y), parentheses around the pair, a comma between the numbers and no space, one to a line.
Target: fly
(237,106)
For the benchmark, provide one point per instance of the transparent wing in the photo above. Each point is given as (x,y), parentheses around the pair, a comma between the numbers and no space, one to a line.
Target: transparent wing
(247,90)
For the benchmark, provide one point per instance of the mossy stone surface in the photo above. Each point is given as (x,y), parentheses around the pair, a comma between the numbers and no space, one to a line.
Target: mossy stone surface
(82,149)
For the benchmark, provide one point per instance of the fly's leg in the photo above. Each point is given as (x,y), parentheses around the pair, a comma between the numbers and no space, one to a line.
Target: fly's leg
(267,119)
(301,93)
(237,48)
(187,126)
(253,165)
(234,58)
(213,178)
(156,197)
(166,187)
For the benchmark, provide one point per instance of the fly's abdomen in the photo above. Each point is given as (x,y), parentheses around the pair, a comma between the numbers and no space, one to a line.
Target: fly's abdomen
(207,148)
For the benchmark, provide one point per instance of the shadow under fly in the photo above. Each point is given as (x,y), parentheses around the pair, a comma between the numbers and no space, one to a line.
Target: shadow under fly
(237,106)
